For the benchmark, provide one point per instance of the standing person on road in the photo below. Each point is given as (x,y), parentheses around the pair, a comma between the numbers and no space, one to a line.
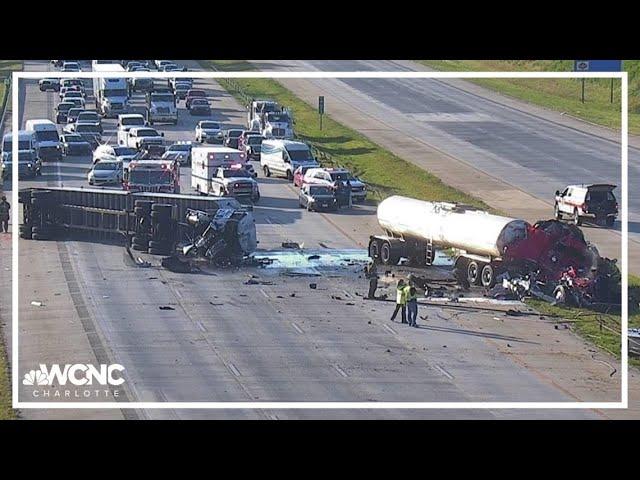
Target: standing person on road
(350,199)
(4,214)
(401,302)
(371,272)
(412,307)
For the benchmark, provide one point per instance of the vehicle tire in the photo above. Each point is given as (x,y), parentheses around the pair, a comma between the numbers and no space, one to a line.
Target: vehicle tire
(160,251)
(473,273)
(309,208)
(256,199)
(387,255)
(576,218)
(290,176)
(25,232)
(40,236)
(374,249)
(159,245)
(160,217)
(267,172)
(611,221)
(140,240)
(139,248)
(487,276)
(556,212)
(165,208)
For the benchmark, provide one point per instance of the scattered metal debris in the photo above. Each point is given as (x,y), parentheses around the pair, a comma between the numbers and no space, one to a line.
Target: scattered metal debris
(166,307)
(295,245)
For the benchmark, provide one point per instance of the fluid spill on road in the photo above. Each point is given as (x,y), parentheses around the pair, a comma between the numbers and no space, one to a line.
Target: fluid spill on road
(312,262)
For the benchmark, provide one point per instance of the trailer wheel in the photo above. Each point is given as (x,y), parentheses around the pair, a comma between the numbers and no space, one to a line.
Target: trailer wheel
(487,276)
(387,255)
(160,251)
(473,273)
(374,249)
(25,232)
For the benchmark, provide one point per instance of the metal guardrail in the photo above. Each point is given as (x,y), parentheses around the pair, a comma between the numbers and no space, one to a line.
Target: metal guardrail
(324,158)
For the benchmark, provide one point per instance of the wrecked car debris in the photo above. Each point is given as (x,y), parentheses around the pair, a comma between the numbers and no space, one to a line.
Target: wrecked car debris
(224,237)
(295,245)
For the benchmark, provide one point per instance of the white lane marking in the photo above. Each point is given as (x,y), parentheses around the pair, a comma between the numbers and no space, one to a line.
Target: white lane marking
(264,293)
(234,369)
(201,325)
(297,328)
(443,371)
(389,329)
(273,416)
(340,371)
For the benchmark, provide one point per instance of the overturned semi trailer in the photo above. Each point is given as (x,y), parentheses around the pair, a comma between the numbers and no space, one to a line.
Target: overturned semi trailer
(150,222)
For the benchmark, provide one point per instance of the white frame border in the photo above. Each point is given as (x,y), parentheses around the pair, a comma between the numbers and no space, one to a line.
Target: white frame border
(622,404)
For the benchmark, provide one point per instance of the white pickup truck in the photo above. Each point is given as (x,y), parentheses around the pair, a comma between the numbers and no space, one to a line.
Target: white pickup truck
(139,137)
(235,181)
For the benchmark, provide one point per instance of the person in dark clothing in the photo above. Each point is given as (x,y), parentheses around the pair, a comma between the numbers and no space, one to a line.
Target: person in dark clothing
(4,214)
(343,194)
(350,200)
(412,307)
(371,272)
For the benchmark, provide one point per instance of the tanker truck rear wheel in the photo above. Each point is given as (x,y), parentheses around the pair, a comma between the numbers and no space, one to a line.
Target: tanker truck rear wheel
(387,254)
(374,249)
(487,276)
(473,273)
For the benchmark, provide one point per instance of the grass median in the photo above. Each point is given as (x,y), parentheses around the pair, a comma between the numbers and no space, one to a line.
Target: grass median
(391,174)
(561,94)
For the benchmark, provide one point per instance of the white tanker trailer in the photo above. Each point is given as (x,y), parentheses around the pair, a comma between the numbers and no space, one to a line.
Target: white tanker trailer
(414,229)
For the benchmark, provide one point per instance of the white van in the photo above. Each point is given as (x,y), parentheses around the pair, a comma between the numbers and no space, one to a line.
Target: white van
(26,141)
(282,157)
(125,122)
(47,139)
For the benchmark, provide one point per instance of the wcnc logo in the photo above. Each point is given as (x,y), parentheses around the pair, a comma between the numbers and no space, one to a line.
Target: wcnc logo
(78,374)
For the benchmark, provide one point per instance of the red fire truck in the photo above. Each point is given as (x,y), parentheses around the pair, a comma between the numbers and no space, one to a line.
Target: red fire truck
(152,176)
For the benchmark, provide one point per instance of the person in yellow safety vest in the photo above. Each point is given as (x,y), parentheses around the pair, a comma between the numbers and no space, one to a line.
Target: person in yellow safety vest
(401,302)
(412,306)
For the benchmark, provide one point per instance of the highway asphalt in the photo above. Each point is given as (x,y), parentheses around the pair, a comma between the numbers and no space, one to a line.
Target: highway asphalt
(223,340)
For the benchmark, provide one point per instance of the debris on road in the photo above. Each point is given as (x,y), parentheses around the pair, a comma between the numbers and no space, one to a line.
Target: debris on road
(313,286)
(37,304)
(295,245)
(176,265)
(313,257)
(166,307)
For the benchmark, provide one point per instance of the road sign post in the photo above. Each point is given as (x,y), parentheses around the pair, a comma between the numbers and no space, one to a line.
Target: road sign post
(321,108)
(597,66)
